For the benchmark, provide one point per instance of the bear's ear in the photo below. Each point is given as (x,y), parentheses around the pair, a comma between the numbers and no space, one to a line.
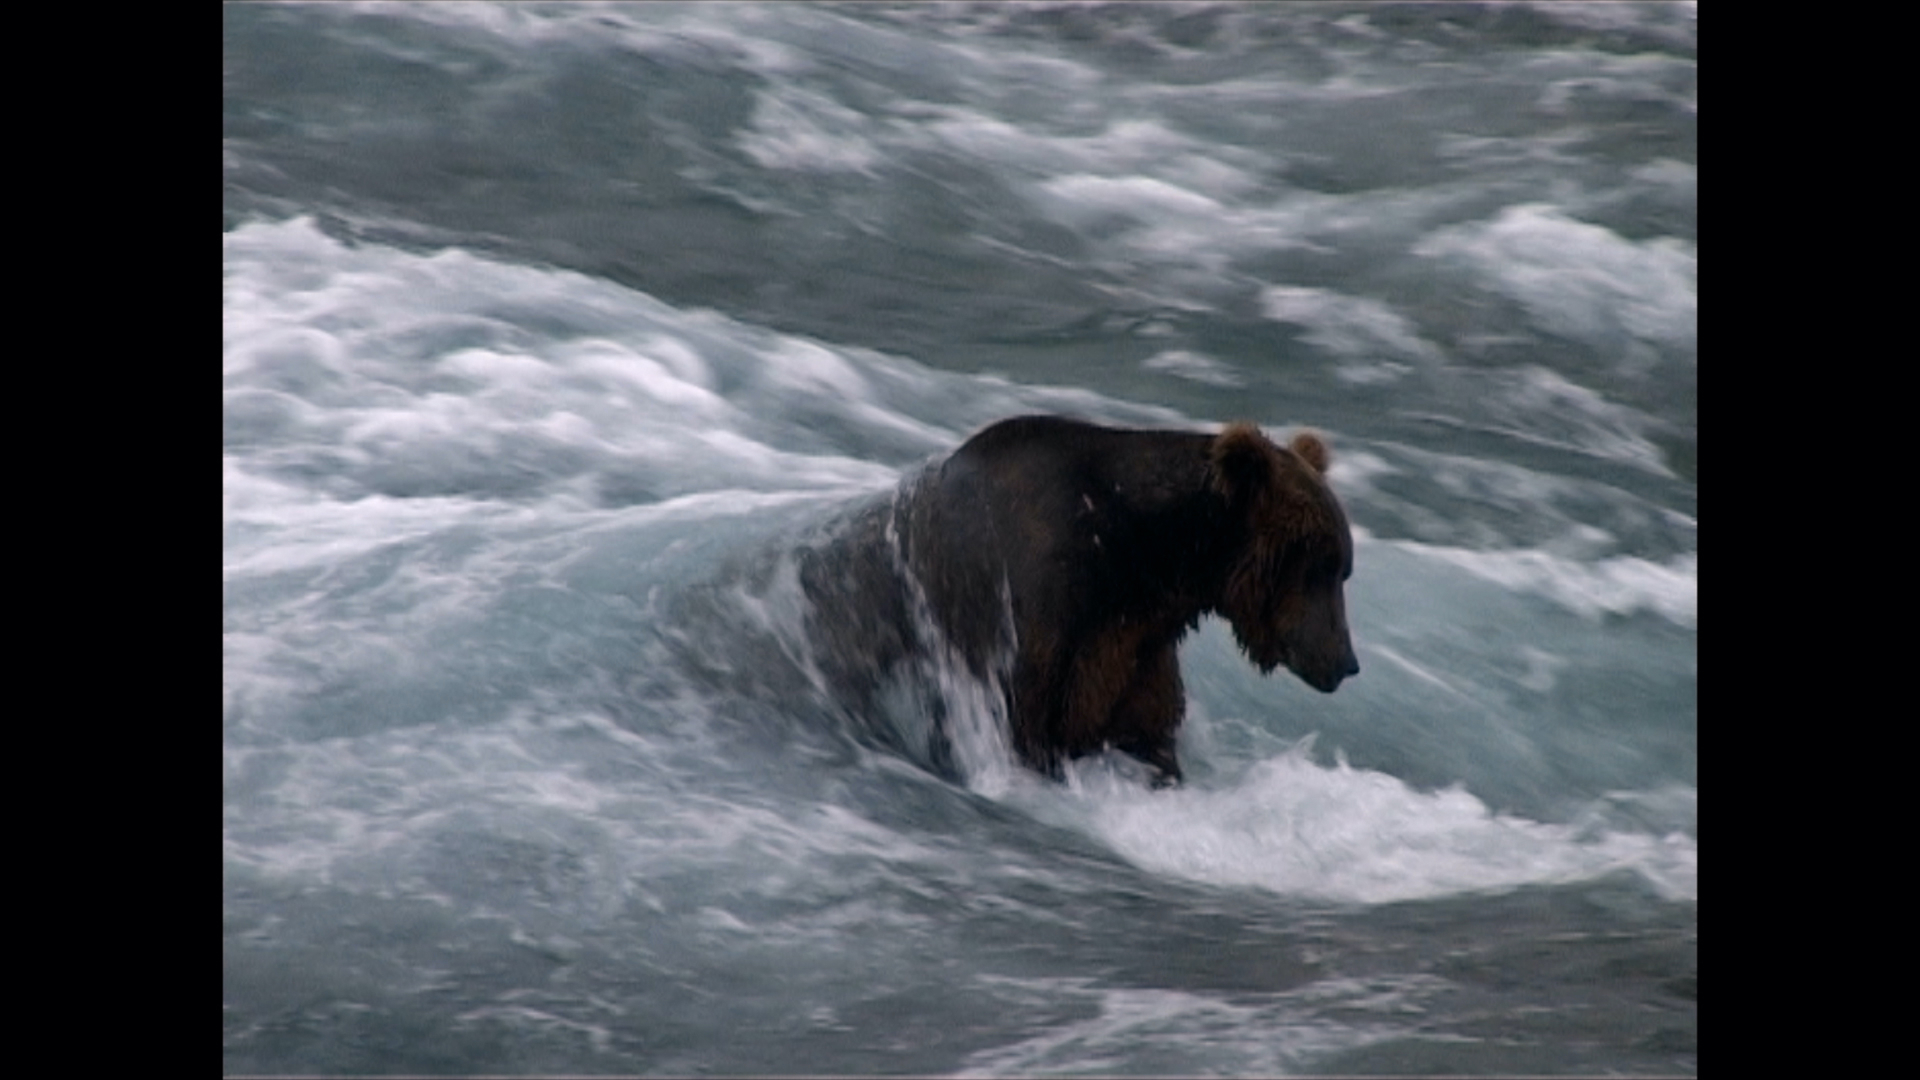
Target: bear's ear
(1312,449)
(1242,460)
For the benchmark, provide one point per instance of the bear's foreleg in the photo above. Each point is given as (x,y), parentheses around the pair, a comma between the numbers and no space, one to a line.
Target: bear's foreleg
(1035,710)
(1145,721)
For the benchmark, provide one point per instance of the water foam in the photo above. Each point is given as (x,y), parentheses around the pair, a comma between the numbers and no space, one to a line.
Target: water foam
(1182,1033)
(367,371)
(1578,279)
(1349,326)
(1351,835)
(1621,585)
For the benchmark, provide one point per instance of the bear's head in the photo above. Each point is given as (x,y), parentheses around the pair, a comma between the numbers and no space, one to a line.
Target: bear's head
(1290,556)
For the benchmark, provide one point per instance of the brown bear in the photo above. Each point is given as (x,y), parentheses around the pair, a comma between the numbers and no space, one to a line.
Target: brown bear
(1086,553)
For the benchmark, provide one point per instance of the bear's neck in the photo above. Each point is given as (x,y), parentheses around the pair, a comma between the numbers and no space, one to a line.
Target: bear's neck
(1185,537)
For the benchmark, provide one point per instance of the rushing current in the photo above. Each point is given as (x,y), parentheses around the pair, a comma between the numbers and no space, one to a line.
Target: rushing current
(555,334)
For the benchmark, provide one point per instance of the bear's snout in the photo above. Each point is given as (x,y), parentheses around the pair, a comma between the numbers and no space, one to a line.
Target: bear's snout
(1349,667)
(1326,675)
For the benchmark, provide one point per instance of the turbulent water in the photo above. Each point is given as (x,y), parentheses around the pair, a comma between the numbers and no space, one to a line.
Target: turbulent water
(556,335)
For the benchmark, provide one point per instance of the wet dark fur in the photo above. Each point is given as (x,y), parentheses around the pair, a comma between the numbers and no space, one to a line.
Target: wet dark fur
(1107,545)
